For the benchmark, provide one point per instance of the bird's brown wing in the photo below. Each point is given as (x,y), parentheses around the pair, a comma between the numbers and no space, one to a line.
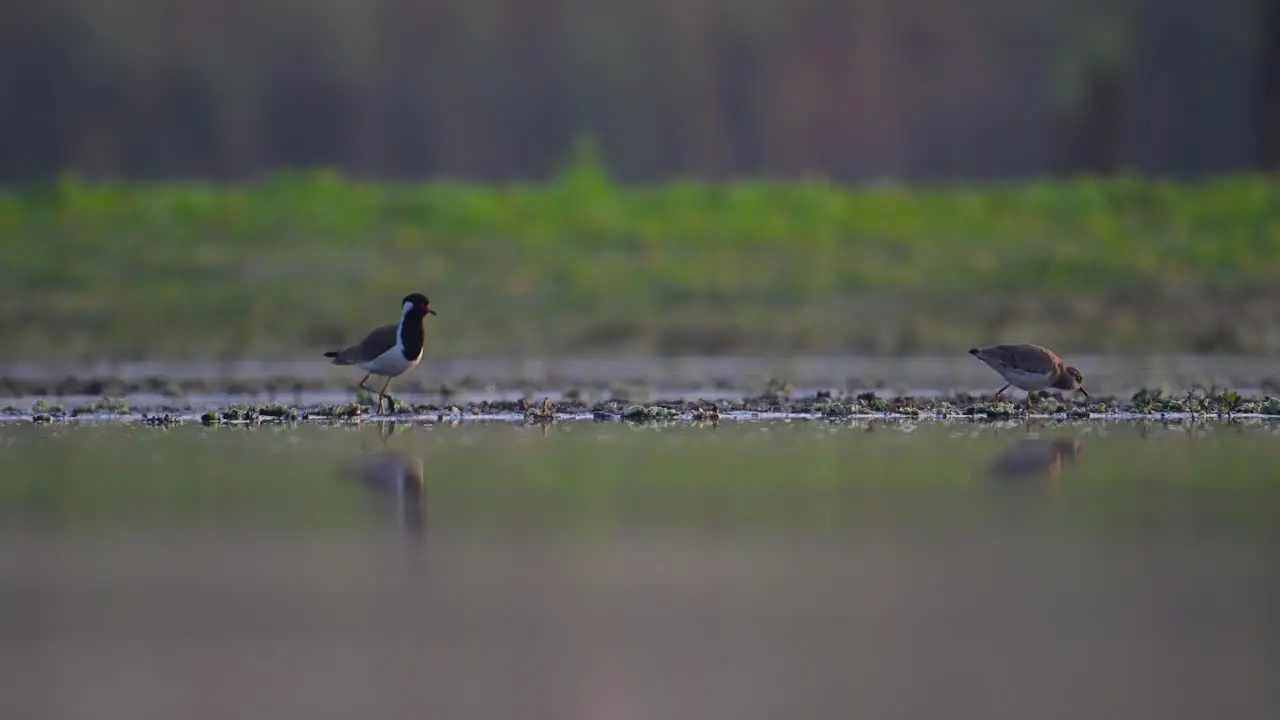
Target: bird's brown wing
(378,341)
(1027,358)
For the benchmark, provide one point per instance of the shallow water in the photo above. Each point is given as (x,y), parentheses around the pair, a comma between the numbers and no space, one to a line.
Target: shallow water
(605,570)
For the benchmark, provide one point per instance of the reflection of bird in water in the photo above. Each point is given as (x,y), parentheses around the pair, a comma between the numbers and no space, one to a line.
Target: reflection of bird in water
(1033,458)
(396,479)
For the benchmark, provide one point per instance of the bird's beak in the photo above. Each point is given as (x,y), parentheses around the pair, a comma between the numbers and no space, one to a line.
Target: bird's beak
(1086,395)
(429,310)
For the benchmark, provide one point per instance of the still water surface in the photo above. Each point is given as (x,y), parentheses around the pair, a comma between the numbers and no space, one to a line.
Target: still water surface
(600,570)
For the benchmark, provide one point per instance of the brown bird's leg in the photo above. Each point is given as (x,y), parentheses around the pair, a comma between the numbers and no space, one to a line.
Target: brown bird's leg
(383,394)
(1006,387)
(1028,403)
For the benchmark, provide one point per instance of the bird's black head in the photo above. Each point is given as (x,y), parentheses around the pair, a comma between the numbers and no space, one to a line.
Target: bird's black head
(417,302)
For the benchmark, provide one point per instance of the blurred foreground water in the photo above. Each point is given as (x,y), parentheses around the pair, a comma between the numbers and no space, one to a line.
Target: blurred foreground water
(748,570)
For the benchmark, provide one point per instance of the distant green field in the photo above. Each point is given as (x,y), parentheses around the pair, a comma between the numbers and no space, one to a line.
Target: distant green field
(296,263)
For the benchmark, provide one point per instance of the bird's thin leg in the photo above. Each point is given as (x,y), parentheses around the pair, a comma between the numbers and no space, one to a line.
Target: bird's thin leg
(1028,403)
(1006,387)
(370,390)
(383,394)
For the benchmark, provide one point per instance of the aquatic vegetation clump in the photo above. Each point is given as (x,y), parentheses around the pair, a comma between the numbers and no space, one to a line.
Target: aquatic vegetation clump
(105,406)
(1231,401)
(252,414)
(1196,402)
(239,413)
(345,411)
(44,407)
(995,409)
(834,409)
(280,412)
(648,413)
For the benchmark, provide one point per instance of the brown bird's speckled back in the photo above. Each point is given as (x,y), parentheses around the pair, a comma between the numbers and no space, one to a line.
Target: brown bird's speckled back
(1025,357)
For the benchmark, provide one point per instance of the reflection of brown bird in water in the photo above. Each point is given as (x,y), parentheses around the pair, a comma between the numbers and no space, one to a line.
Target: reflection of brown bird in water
(396,477)
(1030,368)
(1032,458)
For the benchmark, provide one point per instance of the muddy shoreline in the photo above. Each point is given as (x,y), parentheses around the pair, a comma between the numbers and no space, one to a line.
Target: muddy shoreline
(643,389)
(779,404)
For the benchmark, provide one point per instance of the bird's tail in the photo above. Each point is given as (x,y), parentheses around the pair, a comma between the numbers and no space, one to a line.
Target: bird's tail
(339,358)
(335,357)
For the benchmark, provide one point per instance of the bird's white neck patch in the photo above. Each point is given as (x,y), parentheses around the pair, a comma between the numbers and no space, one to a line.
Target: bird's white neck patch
(404,315)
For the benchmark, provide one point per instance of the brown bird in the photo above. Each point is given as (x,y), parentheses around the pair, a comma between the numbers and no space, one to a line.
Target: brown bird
(390,350)
(1031,458)
(1030,368)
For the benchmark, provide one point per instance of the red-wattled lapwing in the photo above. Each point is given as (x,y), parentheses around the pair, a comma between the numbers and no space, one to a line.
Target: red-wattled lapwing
(390,350)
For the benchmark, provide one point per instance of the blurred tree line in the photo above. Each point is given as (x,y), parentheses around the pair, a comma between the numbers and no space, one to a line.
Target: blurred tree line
(917,90)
